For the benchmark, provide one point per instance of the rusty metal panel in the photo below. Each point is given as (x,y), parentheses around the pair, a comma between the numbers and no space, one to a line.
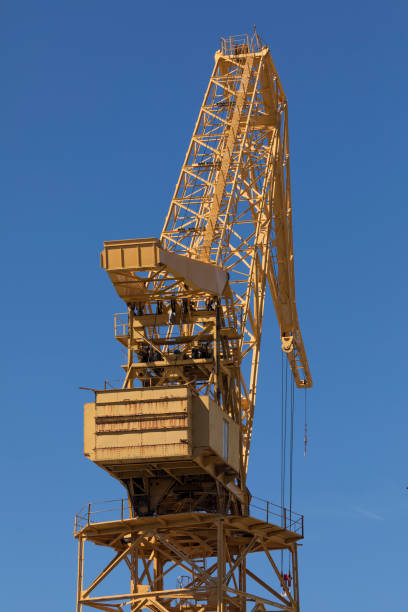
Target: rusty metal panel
(161,424)
(141,394)
(139,424)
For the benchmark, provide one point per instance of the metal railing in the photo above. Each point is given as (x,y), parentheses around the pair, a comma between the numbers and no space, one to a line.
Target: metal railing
(102,512)
(121,324)
(112,383)
(242,43)
(278,515)
(119,510)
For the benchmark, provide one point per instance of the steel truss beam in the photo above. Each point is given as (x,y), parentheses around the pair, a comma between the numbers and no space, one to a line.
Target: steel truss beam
(232,206)
(213,556)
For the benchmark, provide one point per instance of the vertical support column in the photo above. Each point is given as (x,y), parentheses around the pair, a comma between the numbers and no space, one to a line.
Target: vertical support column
(295,577)
(158,572)
(220,566)
(242,582)
(134,572)
(130,346)
(217,390)
(80,577)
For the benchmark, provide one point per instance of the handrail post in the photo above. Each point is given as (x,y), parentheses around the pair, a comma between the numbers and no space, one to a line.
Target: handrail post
(122,509)
(89,513)
(284,517)
(267,512)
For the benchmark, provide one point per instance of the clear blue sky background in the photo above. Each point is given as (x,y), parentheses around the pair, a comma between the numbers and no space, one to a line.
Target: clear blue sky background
(98,103)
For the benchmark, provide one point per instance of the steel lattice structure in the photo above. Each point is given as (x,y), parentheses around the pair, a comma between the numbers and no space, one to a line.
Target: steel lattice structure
(232,203)
(177,433)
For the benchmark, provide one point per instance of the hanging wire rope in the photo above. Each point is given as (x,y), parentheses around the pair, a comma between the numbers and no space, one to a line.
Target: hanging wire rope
(282,418)
(284,411)
(283,441)
(287,441)
(292,429)
(305,423)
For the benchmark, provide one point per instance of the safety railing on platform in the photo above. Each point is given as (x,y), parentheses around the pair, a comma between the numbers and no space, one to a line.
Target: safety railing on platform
(278,515)
(102,512)
(119,510)
(243,43)
(121,324)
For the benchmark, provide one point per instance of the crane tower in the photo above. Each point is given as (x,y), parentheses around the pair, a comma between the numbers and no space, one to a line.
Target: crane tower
(190,536)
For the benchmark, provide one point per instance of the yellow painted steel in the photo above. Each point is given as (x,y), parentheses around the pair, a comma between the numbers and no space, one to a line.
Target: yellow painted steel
(177,433)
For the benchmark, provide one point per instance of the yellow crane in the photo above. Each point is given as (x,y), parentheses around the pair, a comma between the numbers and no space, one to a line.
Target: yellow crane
(177,433)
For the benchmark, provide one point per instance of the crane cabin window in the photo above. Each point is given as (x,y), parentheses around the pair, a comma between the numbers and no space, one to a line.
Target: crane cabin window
(225,440)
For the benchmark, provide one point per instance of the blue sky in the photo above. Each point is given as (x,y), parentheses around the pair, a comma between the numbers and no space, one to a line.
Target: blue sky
(98,103)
